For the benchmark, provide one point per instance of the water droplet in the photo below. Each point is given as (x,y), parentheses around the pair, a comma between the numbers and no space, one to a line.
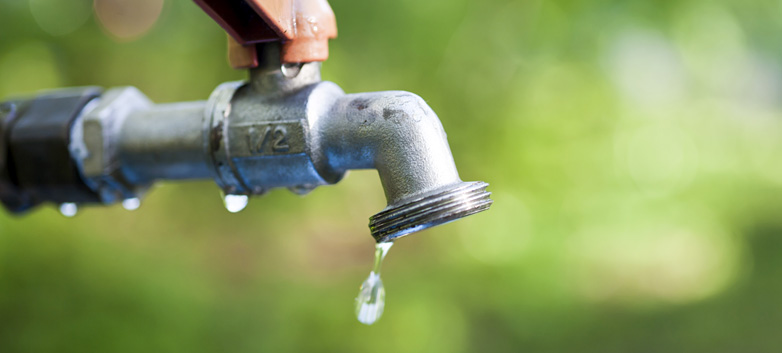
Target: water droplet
(371,299)
(302,189)
(69,209)
(291,70)
(235,203)
(131,204)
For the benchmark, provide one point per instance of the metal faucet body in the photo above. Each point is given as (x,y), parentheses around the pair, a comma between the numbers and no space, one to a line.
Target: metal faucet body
(284,127)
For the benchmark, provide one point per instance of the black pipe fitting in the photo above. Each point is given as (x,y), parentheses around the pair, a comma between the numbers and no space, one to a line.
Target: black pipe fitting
(35,160)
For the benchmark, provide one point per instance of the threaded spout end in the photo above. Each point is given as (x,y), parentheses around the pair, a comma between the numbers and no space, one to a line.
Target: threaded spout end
(438,208)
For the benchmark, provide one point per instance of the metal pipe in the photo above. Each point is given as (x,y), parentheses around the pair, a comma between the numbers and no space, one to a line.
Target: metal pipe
(164,142)
(283,128)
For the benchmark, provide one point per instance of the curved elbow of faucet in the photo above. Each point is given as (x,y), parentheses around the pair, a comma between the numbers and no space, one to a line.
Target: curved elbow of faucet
(394,132)
(398,134)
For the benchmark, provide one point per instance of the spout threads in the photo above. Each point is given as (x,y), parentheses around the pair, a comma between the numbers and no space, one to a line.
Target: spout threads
(462,200)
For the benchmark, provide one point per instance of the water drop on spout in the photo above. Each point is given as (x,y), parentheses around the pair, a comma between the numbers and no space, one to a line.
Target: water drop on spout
(68,209)
(235,203)
(131,204)
(371,299)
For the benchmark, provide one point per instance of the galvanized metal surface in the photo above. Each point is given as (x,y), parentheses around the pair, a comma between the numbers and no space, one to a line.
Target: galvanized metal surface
(282,128)
(95,143)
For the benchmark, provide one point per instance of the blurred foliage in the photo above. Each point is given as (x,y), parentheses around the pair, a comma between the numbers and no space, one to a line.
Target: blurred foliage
(633,148)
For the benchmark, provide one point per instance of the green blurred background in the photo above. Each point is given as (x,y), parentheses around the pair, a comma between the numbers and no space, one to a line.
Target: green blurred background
(633,149)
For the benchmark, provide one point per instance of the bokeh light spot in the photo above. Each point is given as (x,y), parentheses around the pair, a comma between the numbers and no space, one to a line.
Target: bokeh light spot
(660,159)
(666,262)
(647,69)
(58,17)
(128,19)
(712,44)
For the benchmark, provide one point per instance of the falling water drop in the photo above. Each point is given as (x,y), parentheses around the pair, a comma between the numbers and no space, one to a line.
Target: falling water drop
(235,203)
(131,204)
(68,209)
(371,297)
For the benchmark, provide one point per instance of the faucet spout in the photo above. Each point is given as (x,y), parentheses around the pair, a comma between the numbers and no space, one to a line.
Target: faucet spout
(398,134)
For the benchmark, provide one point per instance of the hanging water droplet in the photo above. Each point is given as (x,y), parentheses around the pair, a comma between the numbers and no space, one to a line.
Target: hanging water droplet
(131,204)
(68,209)
(291,70)
(371,299)
(235,203)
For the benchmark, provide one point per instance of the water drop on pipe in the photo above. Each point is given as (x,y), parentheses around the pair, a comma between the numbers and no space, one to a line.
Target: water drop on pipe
(291,70)
(68,209)
(371,299)
(235,203)
(131,204)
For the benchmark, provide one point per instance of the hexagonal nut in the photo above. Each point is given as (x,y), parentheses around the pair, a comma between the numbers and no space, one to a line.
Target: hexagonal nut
(100,128)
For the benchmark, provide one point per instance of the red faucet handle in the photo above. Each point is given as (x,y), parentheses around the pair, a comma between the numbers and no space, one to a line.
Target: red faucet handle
(303,26)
